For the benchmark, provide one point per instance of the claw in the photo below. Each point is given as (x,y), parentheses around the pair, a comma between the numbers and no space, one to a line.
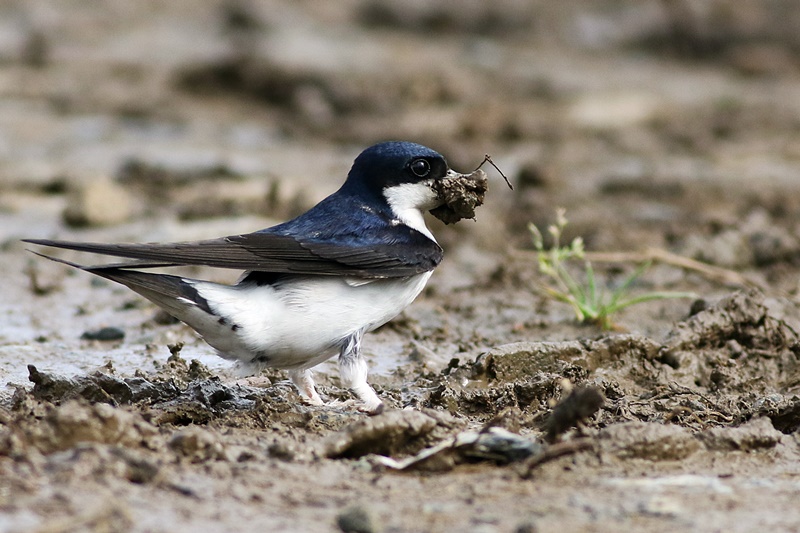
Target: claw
(372,410)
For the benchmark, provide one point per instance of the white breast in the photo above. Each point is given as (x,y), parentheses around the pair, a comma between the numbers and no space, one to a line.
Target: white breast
(408,201)
(302,321)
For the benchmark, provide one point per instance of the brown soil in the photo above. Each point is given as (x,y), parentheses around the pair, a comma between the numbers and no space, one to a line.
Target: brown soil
(668,133)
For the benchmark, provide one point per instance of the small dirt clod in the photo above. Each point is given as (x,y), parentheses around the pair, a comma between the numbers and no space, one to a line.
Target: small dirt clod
(461,196)
(579,405)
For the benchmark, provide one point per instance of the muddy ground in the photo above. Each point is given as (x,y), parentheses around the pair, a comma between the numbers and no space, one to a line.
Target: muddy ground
(659,126)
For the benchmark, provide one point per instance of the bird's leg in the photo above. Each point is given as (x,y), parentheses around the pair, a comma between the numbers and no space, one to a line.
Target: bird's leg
(305,383)
(353,370)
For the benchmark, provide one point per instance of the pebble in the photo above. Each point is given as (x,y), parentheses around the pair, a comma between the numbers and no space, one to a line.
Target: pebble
(104,334)
(356,519)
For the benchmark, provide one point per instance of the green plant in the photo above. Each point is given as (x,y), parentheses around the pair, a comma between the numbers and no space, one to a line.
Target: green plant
(591,304)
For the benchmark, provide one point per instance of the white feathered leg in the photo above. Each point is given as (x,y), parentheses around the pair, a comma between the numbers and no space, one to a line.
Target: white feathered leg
(353,370)
(305,384)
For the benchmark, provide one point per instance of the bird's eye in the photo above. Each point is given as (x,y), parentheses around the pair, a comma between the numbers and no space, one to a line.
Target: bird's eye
(420,167)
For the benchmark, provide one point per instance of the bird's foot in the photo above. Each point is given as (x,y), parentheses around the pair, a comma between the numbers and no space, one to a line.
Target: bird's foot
(305,385)
(314,400)
(372,409)
(353,369)
(371,404)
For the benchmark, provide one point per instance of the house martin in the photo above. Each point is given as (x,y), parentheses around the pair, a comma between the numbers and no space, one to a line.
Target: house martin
(311,286)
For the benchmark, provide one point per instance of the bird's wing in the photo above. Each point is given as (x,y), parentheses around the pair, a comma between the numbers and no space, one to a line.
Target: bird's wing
(340,236)
(363,256)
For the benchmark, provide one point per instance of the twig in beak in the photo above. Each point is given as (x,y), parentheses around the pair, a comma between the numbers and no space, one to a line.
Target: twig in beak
(488,158)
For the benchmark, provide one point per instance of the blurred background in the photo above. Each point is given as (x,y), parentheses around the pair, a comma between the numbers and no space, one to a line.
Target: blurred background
(202,109)
(667,124)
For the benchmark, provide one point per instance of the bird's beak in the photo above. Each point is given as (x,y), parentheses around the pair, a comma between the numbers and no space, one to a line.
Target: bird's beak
(475,179)
(452,174)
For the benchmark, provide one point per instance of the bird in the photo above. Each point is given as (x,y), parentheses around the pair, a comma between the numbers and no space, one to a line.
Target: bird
(311,287)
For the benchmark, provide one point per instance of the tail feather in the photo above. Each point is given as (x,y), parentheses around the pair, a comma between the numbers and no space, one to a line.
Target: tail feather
(125,264)
(172,293)
(179,297)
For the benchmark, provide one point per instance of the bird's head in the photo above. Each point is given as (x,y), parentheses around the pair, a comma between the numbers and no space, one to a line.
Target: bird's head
(400,173)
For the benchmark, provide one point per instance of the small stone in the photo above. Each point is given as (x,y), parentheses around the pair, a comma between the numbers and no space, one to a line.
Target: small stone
(355,519)
(104,334)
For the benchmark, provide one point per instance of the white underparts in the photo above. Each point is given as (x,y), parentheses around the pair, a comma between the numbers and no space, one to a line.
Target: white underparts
(297,323)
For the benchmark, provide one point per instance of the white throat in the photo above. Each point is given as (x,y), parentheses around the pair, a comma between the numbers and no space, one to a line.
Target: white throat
(408,201)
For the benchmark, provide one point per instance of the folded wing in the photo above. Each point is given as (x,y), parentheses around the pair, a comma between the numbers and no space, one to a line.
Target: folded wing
(269,252)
